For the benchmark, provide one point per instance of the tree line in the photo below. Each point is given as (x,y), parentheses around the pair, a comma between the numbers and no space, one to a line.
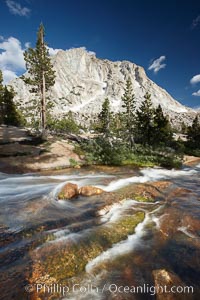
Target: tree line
(146,125)
(141,135)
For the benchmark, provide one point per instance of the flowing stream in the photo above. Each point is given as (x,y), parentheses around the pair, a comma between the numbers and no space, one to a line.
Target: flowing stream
(80,250)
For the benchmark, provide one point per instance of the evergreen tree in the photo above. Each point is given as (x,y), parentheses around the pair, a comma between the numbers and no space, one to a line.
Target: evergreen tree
(40,69)
(105,117)
(116,125)
(194,134)
(9,115)
(9,109)
(65,125)
(145,121)
(128,99)
(161,130)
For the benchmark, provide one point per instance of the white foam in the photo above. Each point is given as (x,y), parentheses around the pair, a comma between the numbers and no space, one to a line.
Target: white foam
(61,233)
(156,220)
(117,184)
(159,173)
(64,177)
(184,229)
(149,174)
(65,237)
(122,247)
(116,210)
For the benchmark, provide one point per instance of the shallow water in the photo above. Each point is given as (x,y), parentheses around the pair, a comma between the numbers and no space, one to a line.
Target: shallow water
(34,226)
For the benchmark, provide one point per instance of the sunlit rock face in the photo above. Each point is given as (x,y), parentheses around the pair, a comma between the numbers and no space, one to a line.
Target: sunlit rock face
(83,81)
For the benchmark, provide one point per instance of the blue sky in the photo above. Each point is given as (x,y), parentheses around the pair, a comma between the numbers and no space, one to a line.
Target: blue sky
(161,36)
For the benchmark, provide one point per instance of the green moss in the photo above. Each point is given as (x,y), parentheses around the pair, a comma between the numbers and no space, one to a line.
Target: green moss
(143,198)
(71,260)
(61,196)
(132,192)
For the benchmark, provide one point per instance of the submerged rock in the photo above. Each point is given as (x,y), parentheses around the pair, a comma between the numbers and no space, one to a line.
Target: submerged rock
(63,261)
(69,190)
(90,191)
(192,223)
(169,286)
(176,219)
(144,192)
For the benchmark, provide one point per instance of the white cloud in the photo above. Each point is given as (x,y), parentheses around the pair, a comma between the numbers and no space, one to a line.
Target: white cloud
(16,9)
(11,58)
(195,22)
(196,93)
(12,54)
(8,75)
(195,79)
(27,45)
(157,64)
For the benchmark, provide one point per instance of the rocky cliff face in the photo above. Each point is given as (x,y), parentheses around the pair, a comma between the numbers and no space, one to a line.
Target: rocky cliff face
(84,81)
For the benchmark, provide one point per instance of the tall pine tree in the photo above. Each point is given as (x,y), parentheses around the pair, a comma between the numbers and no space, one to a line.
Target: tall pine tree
(105,117)
(145,121)
(161,130)
(41,73)
(11,116)
(194,134)
(128,99)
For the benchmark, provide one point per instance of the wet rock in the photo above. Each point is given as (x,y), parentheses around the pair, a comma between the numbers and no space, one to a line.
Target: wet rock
(178,193)
(90,191)
(192,223)
(140,192)
(191,160)
(169,286)
(70,190)
(191,229)
(65,260)
(175,219)
(174,223)
(169,222)
(145,192)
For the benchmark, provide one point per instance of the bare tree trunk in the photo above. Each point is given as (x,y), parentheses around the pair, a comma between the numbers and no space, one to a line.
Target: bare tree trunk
(43,102)
(43,96)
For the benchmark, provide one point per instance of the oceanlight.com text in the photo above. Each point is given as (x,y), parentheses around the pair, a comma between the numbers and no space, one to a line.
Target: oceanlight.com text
(113,288)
